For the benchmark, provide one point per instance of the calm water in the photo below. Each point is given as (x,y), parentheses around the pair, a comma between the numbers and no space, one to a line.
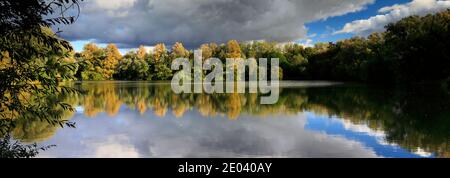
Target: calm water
(311,119)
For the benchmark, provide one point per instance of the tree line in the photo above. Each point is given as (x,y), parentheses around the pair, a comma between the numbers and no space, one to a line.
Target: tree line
(412,50)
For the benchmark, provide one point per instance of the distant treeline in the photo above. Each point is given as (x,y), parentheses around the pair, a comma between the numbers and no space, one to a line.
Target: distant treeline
(413,50)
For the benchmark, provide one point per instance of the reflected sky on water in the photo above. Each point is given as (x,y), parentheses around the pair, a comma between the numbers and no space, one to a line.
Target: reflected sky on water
(130,134)
(146,120)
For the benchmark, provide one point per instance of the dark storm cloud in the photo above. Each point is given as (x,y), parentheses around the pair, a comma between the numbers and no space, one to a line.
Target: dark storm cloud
(134,22)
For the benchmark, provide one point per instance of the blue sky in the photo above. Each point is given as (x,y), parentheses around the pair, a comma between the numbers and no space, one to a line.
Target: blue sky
(322,30)
(130,23)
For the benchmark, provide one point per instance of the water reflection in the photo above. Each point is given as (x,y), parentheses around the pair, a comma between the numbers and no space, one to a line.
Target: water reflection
(133,119)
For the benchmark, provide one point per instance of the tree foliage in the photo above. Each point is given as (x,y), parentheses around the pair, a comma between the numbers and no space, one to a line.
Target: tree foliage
(178,51)
(34,64)
(34,59)
(233,49)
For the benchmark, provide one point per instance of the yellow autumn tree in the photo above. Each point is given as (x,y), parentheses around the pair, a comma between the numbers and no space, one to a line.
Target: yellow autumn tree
(214,47)
(233,49)
(142,52)
(159,51)
(111,49)
(178,51)
(90,50)
(113,57)
(206,51)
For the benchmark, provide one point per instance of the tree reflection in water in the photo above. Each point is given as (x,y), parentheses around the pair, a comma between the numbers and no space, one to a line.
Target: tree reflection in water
(18,136)
(413,118)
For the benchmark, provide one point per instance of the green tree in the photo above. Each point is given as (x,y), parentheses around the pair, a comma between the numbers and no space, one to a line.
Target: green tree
(93,58)
(132,69)
(160,65)
(419,47)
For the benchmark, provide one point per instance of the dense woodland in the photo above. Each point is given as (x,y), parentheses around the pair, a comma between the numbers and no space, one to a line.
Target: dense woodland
(413,50)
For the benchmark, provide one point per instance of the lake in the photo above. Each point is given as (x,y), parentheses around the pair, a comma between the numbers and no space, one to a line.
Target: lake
(311,119)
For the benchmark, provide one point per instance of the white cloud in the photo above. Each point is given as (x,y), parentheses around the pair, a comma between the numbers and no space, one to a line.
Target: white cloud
(114,4)
(306,43)
(114,150)
(133,22)
(394,13)
(423,153)
(114,146)
(149,49)
(114,8)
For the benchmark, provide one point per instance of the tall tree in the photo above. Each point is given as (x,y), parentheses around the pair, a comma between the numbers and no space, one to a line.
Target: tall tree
(233,49)
(159,51)
(91,51)
(141,52)
(178,51)
(93,58)
(113,57)
(214,49)
(207,52)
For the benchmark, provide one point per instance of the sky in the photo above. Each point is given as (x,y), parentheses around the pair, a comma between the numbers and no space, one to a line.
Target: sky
(131,23)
